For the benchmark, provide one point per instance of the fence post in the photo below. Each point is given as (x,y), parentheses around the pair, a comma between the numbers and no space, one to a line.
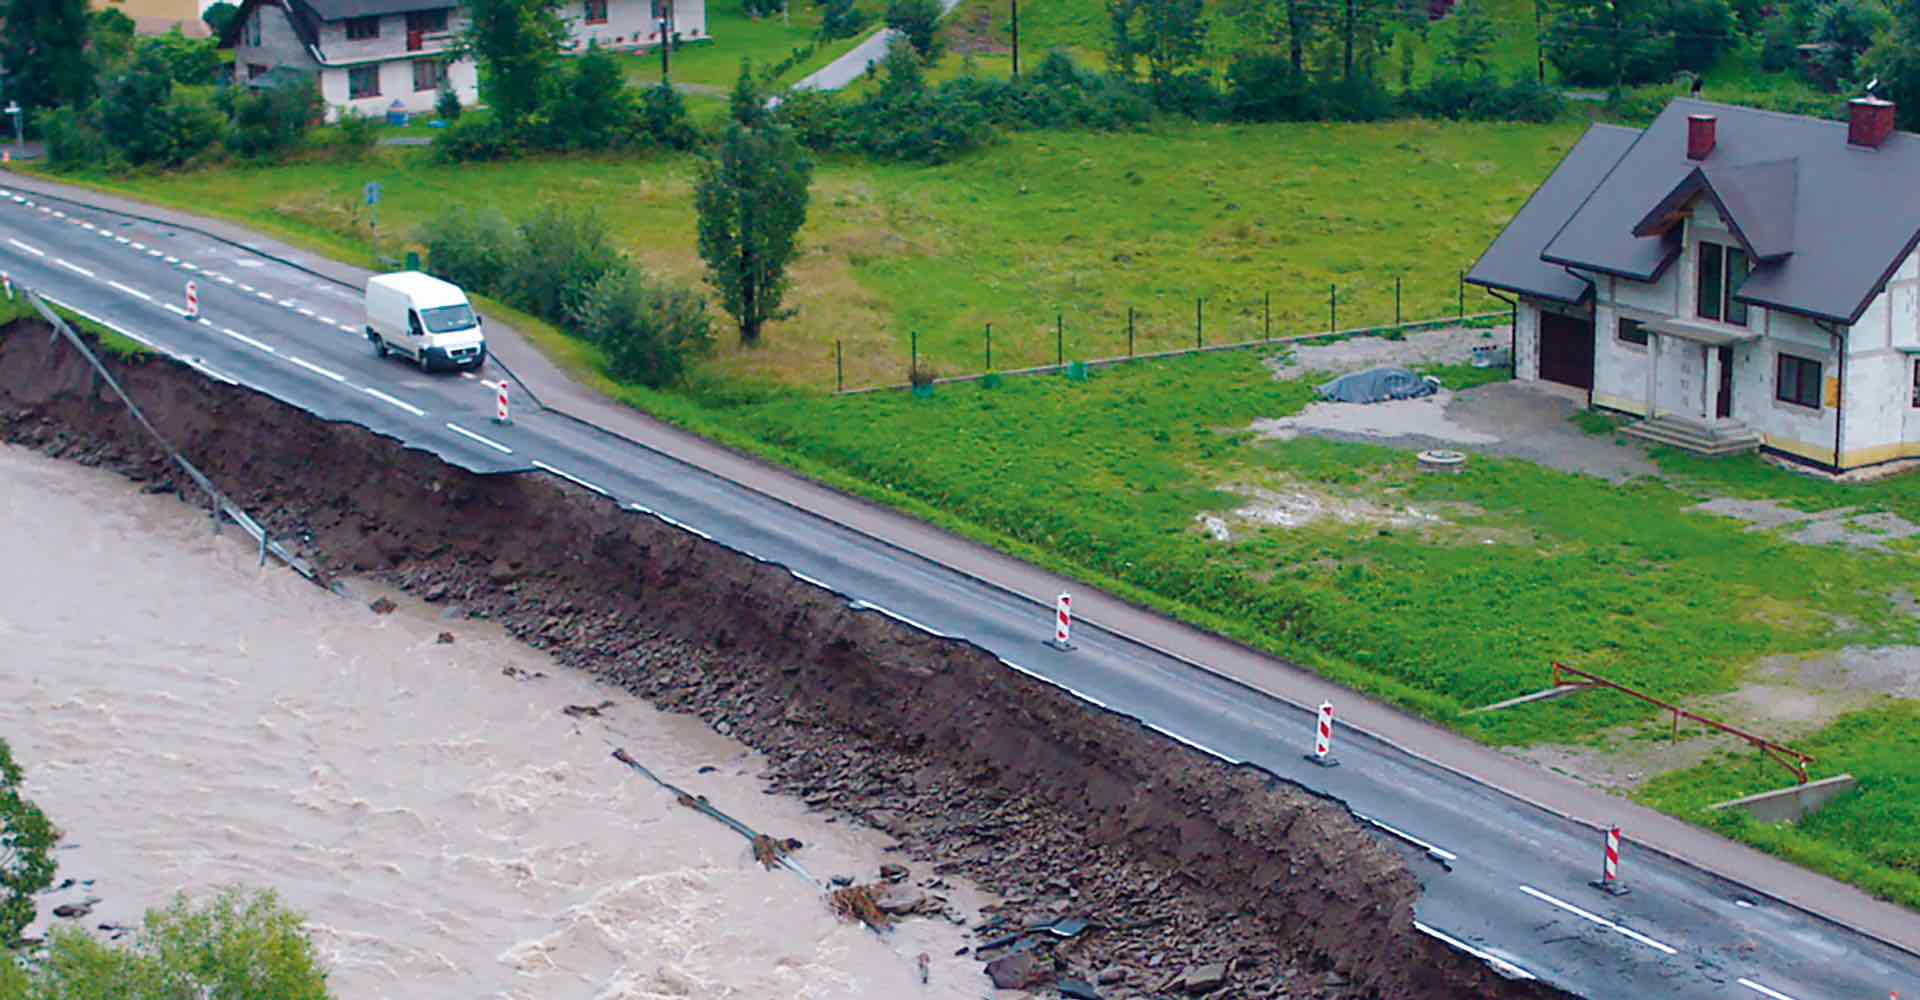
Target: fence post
(1059,341)
(1199,339)
(1463,295)
(989,347)
(1333,307)
(913,368)
(1129,331)
(1396,300)
(1266,314)
(839,370)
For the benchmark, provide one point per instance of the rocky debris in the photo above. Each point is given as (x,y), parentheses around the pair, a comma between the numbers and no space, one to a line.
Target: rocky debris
(893,872)
(992,776)
(382,606)
(74,911)
(901,900)
(435,593)
(1076,990)
(444,639)
(587,711)
(1198,980)
(1019,971)
(855,902)
(1112,975)
(522,675)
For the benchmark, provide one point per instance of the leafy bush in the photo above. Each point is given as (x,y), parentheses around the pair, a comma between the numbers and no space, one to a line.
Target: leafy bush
(270,122)
(476,140)
(74,141)
(356,135)
(446,106)
(590,109)
(236,945)
(1702,31)
(471,247)
(649,334)
(193,62)
(218,16)
(841,19)
(1485,98)
(663,121)
(26,853)
(919,22)
(1266,88)
(1849,28)
(560,253)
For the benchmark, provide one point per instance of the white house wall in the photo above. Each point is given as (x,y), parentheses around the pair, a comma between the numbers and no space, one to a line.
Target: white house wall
(1881,422)
(1526,340)
(396,83)
(634,23)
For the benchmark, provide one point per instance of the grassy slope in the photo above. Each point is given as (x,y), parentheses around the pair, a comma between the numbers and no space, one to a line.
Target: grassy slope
(1044,224)
(736,36)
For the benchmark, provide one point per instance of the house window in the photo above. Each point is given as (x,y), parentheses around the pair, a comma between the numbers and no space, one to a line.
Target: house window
(1723,269)
(255,71)
(363,81)
(1630,331)
(428,74)
(1797,381)
(253,29)
(429,22)
(359,29)
(1916,384)
(596,11)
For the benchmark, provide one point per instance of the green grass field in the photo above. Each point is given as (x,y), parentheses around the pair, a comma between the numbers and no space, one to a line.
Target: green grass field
(1073,226)
(767,41)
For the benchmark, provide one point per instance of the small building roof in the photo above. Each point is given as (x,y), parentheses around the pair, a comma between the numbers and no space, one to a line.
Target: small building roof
(1513,262)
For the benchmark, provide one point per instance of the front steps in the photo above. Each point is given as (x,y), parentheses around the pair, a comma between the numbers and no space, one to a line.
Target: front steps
(1713,438)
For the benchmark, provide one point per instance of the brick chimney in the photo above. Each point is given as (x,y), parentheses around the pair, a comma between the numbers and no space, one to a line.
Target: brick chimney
(1869,121)
(1700,136)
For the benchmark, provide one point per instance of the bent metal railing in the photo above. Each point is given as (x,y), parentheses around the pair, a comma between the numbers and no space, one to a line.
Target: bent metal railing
(1789,758)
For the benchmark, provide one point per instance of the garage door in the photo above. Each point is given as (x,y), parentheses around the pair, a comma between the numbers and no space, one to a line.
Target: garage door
(1566,350)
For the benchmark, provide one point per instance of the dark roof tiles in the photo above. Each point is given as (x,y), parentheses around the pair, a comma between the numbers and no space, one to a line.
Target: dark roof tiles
(1513,262)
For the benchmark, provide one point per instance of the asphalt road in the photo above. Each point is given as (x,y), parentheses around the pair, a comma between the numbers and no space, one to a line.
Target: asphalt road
(1503,879)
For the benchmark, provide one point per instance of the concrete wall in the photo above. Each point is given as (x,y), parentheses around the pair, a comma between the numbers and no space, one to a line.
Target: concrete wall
(1526,340)
(396,83)
(1793,803)
(279,44)
(1881,422)
(632,23)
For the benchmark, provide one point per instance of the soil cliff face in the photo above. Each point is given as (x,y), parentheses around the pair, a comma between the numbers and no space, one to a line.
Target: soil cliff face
(1061,808)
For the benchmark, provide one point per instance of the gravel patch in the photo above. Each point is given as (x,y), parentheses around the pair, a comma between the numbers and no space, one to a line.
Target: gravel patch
(1840,526)
(1446,346)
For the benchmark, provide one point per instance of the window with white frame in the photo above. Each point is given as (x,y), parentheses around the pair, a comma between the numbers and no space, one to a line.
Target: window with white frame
(428,74)
(363,81)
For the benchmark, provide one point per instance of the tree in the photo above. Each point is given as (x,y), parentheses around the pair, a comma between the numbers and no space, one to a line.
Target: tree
(270,122)
(517,46)
(840,19)
(446,106)
(1470,37)
(1170,35)
(591,108)
(26,852)
(194,62)
(45,52)
(1848,28)
(663,119)
(1895,59)
(1609,42)
(236,945)
(219,16)
(752,200)
(747,105)
(919,22)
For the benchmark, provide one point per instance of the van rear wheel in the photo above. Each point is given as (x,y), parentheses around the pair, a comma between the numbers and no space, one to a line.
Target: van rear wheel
(379,346)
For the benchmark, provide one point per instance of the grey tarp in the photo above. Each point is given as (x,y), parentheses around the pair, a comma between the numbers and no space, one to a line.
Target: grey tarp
(1376,385)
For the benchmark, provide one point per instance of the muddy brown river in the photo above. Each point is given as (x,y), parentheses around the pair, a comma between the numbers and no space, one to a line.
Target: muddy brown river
(191,721)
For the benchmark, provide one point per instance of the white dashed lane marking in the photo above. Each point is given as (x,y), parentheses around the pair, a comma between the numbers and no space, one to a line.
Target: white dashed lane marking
(316,369)
(135,292)
(383,397)
(1763,991)
(75,268)
(1600,920)
(31,250)
(489,442)
(249,341)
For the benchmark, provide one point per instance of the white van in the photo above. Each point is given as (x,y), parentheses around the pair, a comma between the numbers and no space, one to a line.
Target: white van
(421,317)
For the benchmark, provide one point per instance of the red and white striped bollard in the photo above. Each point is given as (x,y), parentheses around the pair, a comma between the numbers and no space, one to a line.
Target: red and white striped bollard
(1609,880)
(193,302)
(1323,738)
(1062,623)
(500,415)
(7,280)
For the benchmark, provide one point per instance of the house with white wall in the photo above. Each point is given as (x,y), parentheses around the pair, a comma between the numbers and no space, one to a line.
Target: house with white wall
(369,54)
(1737,278)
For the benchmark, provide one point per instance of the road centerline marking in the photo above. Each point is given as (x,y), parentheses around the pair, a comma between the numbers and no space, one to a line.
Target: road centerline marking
(135,292)
(489,442)
(1762,990)
(402,404)
(316,369)
(71,266)
(1627,932)
(32,250)
(249,341)
(1499,964)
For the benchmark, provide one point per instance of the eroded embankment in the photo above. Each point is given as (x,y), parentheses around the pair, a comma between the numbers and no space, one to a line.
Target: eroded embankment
(976,769)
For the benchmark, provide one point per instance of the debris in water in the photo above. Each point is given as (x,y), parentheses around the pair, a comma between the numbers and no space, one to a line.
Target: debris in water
(926,967)
(855,902)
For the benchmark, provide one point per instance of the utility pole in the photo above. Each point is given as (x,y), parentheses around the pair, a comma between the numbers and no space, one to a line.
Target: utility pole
(1539,46)
(1016,37)
(666,39)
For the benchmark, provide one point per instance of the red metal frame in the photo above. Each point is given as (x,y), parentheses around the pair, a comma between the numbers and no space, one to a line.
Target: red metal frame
(1789,758)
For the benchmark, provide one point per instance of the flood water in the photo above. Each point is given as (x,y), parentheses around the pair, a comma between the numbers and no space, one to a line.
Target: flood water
(192,721)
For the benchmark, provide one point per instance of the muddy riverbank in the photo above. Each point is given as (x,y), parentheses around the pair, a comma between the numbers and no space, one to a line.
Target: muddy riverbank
(1180,861)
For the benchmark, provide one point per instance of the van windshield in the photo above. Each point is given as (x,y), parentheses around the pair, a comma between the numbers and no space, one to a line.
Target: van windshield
(447,319)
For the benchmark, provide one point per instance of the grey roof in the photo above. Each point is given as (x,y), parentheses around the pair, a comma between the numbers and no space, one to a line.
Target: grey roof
(1837,222)
(340,10)
(1755,199)
(1513,262)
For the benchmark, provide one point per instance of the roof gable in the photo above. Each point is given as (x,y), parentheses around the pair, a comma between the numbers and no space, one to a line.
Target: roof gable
(1755,199)
(1825,242)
